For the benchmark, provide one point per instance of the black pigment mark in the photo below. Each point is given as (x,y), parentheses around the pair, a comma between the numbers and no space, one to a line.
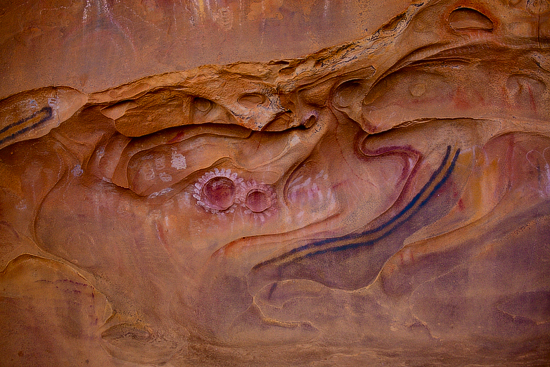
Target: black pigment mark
(380,232)
(48,115)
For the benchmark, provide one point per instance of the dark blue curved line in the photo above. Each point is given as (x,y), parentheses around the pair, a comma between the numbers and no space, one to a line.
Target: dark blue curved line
(371,242)
(392,220)
(49,113)
(382,226)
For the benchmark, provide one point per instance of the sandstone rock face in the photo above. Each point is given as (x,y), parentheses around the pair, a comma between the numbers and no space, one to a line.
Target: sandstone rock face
(92,45)
(382,202)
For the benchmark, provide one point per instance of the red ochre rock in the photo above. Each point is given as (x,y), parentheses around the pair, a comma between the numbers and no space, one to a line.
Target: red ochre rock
(384,201)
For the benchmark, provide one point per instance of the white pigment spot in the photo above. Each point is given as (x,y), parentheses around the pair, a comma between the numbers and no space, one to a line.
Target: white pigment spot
(178,161)
(184,201)
(22,205)
(52,102)
(148,171)
(296,180)
(159,163)
(150,174)
(295,140)
(100,152)
(165,177)
(77,171)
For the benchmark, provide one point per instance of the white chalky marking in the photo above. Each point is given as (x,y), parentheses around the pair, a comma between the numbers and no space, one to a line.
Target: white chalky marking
(165,177)
(159,163)
(178,161)
(77,171)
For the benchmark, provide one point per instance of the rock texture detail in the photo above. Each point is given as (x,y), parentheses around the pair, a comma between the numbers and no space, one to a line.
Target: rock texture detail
(383,201)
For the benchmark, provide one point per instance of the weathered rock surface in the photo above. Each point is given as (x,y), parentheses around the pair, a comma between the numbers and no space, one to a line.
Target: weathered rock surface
(93,45)
(381,202)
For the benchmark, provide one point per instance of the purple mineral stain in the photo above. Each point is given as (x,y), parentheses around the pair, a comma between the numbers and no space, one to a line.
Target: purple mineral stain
(258,201)
(220,192)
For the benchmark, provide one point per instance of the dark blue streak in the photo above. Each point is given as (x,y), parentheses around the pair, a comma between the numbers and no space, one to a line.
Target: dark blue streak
(371,242)
(49,113)
(382,226)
